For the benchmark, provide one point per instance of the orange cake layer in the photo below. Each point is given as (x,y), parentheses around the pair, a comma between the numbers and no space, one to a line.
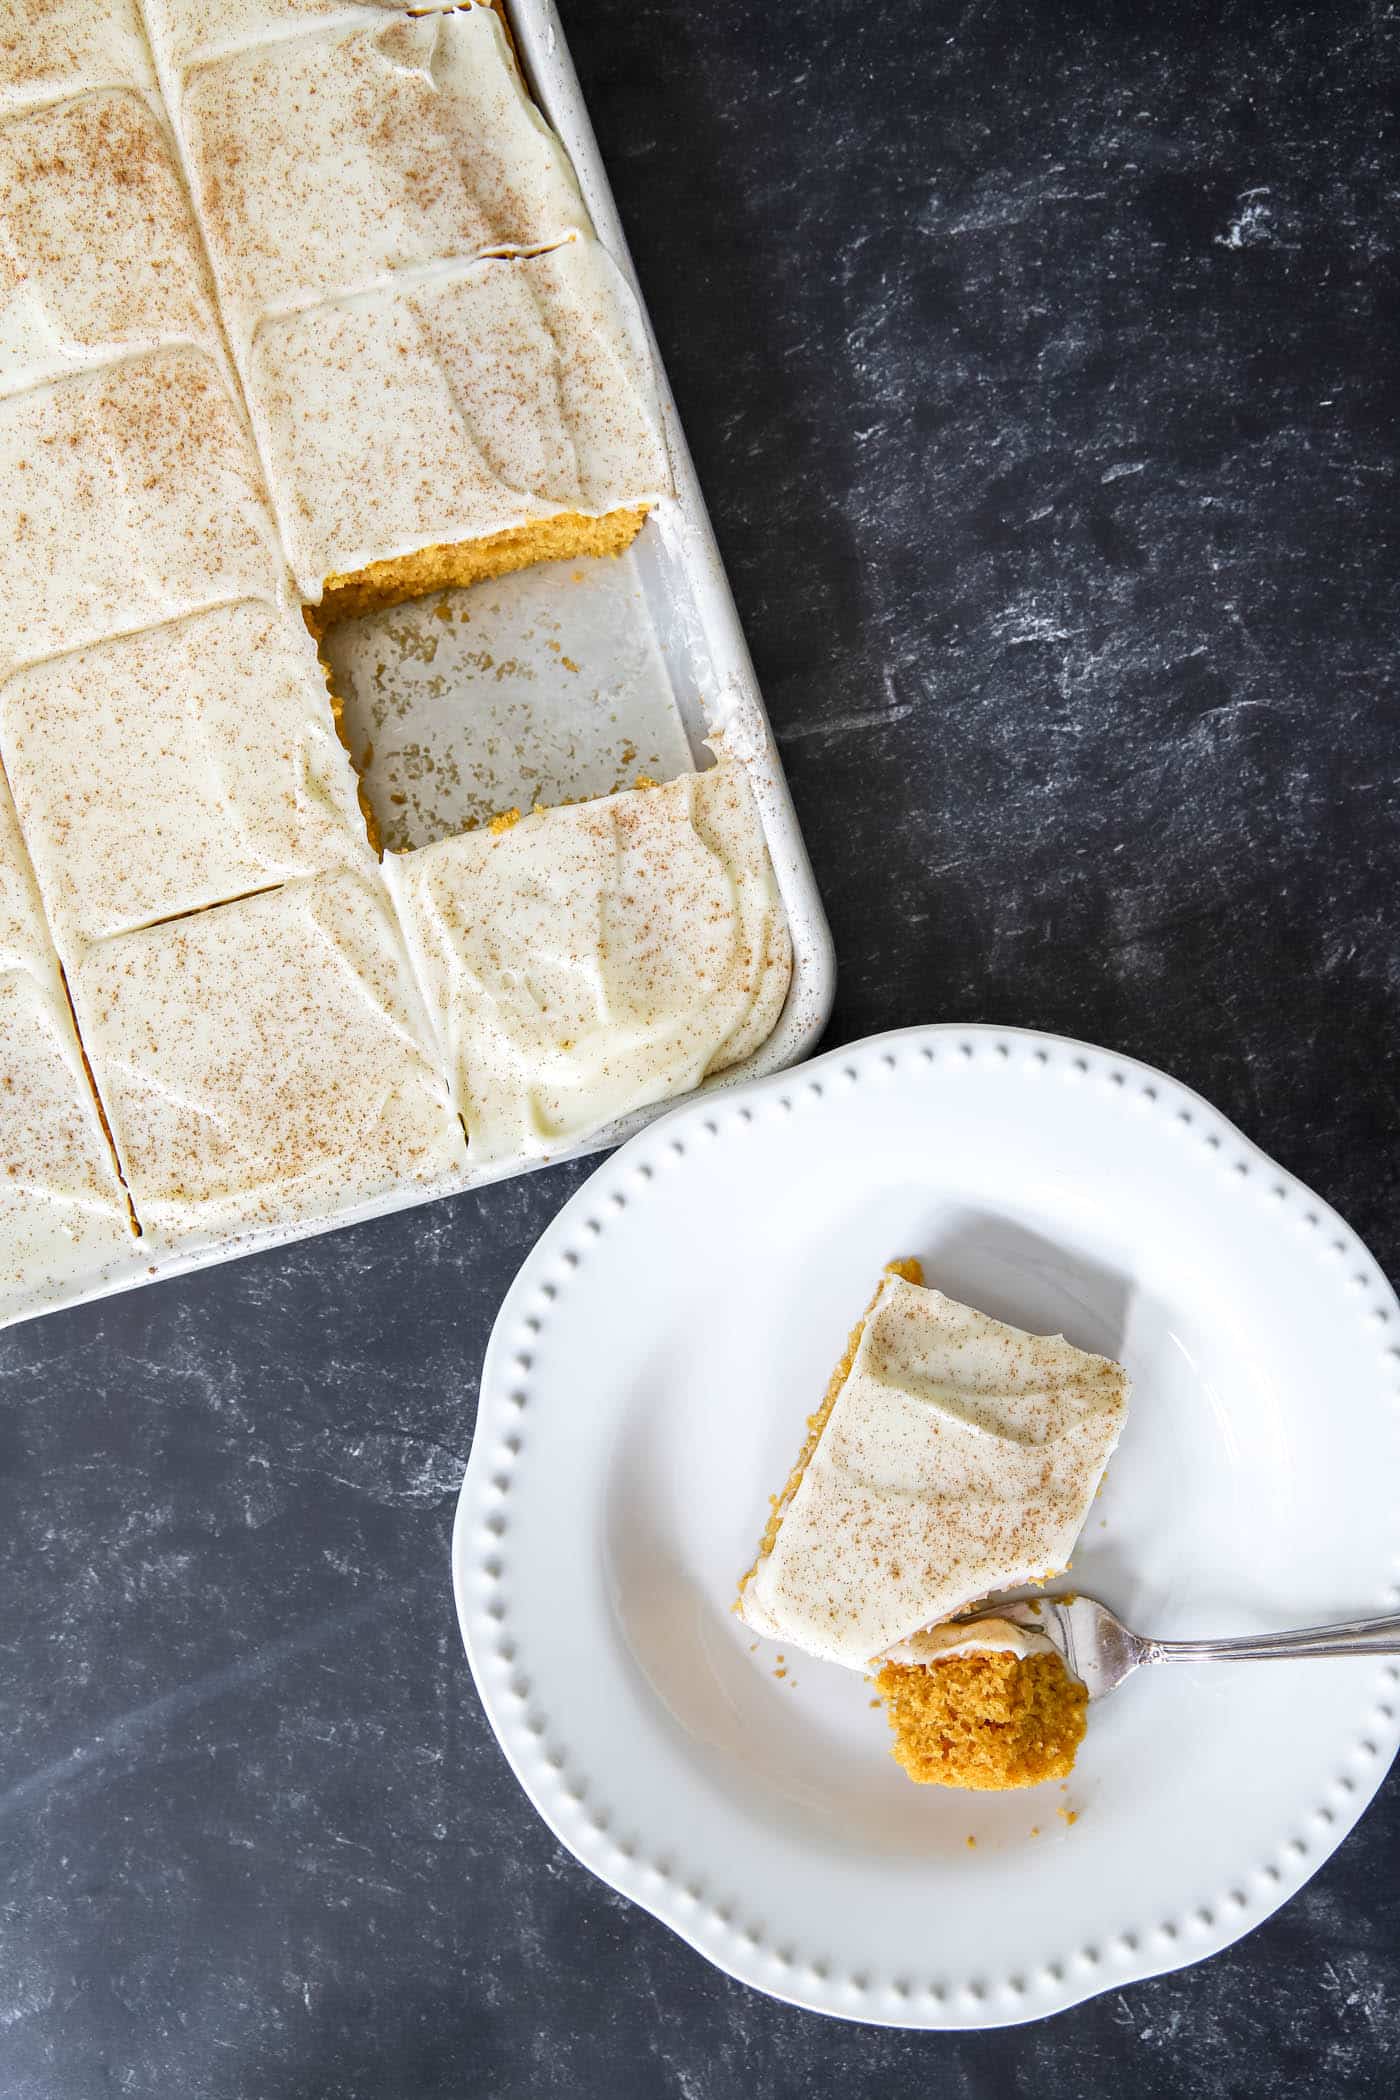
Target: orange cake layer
(987,1721)
(912,1272)
(564,537)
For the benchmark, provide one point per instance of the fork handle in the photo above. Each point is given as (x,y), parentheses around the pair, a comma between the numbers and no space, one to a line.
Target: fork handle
(1349,1637)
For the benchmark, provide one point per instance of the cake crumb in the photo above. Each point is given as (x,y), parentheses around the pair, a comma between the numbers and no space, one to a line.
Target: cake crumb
(1067,1815)
(971,1843)
(568,663)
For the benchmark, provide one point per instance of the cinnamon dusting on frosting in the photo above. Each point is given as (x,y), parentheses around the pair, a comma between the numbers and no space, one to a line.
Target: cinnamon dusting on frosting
(959,1457)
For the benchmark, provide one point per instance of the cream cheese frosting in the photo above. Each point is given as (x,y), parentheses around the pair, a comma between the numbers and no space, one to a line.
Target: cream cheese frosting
(64,1221)
(369,146)
(129,495)
(23,934)
(176,768)
(191,32)
(959,1458)
(502,394)
(63,1214)
(266,1062)
(53,48)
(592,959)
(990,1636)
(99,253)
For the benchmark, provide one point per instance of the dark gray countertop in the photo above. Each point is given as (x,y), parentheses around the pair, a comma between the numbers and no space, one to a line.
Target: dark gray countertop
(1040,366)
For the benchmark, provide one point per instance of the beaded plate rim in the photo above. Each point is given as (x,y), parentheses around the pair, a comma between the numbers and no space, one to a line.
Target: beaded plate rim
(678,1894)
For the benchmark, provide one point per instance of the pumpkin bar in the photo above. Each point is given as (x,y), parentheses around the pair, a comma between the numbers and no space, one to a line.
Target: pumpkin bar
(129,495)
(216,728)
(64,1219)
(953,1456)
(267,1061)
(331,153)
(513,420)
(588,960)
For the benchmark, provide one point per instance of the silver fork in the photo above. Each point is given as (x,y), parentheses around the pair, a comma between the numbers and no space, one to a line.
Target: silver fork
(1102,1651)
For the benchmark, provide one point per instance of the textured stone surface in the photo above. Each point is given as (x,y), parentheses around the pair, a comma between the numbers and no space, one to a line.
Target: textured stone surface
(1040,365)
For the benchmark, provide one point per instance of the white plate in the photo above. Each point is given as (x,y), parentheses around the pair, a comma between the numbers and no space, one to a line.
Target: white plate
(645,1392)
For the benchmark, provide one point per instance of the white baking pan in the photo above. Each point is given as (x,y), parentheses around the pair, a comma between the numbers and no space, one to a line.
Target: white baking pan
(469,717)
